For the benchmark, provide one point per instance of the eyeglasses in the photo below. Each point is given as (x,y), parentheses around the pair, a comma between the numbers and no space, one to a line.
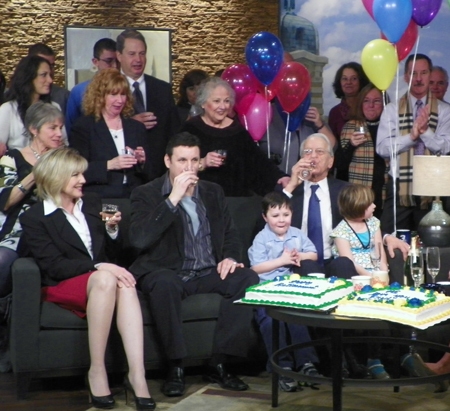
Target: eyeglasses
(318,151)
(374,102)
(109,62)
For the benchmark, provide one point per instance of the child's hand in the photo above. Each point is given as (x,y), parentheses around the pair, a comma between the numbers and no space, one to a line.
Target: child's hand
(290,257)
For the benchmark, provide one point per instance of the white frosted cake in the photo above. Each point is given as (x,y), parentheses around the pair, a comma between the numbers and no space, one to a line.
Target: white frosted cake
(416,307)
(301,292)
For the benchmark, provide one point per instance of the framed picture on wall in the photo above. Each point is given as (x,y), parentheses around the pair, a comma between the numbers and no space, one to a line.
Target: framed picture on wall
(79,43)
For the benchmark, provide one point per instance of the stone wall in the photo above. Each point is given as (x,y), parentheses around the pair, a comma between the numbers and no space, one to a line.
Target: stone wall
(206,34)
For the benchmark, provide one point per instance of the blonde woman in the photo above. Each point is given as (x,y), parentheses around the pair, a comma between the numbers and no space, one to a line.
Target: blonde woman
(72,247)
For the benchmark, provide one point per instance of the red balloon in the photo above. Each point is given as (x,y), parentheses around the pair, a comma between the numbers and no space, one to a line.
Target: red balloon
(271,94)
(258,116)
(243,82)
(368,4)
(406,43)
(292,84)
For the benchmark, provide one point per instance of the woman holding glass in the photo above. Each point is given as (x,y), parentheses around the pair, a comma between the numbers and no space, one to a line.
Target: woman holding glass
(230,157)
(356,159)
(30,83)
(348,81)
(105,135)
(72,246)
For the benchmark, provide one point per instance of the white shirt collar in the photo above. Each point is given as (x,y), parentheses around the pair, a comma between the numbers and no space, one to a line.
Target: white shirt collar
(50,207)
(131,81)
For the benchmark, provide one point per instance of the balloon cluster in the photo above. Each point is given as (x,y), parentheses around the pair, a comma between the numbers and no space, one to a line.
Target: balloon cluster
(398,21)
(264,77)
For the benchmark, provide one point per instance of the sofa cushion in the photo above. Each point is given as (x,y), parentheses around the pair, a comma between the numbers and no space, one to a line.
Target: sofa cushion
(197,307)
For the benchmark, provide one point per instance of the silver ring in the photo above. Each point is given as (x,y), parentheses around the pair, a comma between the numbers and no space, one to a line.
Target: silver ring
(235,263)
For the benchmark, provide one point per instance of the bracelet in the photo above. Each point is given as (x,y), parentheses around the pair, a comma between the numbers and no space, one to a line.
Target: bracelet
(316,129)
(22,188)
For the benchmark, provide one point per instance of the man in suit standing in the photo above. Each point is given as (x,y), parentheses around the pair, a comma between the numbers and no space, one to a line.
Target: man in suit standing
(315,204)
(154,103)
(188,244)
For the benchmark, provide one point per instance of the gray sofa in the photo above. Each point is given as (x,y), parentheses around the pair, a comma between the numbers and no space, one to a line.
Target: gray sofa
(48,341)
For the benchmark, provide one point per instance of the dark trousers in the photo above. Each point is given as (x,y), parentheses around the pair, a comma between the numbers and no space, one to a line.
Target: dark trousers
(341,267)
(408,218)
(289,334)
(166,291)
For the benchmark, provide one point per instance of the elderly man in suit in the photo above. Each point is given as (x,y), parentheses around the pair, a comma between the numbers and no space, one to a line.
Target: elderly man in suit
(189,245)
(154,104)
(314,199)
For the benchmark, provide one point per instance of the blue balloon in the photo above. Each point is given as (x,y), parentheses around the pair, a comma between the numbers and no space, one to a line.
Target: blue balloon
(264,54)
(297,116)
(392,17)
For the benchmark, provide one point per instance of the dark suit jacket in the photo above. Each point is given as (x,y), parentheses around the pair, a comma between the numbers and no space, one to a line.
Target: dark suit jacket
(57,247)
(160,102)
(94,142)
(158,232)
(335,186)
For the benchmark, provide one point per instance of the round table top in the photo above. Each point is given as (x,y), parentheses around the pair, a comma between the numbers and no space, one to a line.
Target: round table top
(323,319)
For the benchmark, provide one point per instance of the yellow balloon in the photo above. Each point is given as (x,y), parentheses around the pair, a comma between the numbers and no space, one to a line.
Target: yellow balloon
(379,61)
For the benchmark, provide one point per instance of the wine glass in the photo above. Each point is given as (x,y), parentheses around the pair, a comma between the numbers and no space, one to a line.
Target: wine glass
(375,254)
(416,266)
(433,262)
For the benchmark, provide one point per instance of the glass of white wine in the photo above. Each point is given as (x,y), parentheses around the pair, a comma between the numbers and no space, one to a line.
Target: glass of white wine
(416,266)
(433,262)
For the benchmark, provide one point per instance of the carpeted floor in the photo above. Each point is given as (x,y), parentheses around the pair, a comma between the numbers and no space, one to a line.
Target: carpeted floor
(209,397)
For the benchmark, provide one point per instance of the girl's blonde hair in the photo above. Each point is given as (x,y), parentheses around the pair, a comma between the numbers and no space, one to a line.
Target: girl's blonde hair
(354,200)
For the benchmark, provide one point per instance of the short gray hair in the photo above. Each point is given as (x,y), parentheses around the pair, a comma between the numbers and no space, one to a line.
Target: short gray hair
(40,113)
(207,86)
(442,70)
(323,137)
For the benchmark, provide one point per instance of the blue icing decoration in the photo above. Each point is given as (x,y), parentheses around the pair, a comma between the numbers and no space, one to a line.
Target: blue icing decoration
(332,280)
(366,288)
(415,302)
(395,285)
(278,278)
(422,290)
(286,277)
(412,288)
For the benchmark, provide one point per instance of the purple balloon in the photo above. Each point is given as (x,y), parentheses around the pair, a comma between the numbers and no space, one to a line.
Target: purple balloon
(425,10)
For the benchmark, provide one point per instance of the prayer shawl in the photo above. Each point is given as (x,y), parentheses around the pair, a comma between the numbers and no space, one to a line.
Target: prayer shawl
(360,170)
(405,124)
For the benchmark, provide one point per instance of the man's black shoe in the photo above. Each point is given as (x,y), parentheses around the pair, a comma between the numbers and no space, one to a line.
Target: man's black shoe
(227,381)
(174,384)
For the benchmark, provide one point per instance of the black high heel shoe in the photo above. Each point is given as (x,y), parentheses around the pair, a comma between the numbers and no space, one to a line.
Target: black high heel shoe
(105,402)
(140,402)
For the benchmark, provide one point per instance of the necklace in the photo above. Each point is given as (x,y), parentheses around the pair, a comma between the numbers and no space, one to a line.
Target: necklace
(36,154)
(115,131)
(364,246)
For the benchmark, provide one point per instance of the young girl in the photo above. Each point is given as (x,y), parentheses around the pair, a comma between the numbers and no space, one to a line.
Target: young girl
(352,238)
(359,228)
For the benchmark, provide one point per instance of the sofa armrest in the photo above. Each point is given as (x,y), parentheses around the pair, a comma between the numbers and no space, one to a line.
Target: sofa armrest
(25,315)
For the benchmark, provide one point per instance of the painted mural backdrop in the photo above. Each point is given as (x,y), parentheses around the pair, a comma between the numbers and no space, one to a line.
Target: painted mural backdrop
(344,28)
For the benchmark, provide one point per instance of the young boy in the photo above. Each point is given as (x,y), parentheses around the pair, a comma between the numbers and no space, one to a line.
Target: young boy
(280,249)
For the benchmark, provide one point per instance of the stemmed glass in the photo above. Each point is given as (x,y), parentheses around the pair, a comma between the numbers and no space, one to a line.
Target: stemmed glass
(433,262)
(416,266)
(375,254)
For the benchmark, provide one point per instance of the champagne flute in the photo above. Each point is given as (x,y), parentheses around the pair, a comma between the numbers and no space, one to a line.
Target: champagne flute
(375,254)
(416,265)
(433,262)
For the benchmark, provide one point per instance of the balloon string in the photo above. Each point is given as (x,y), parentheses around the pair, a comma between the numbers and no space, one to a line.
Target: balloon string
(245,121)
(267,122)
(285,144)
